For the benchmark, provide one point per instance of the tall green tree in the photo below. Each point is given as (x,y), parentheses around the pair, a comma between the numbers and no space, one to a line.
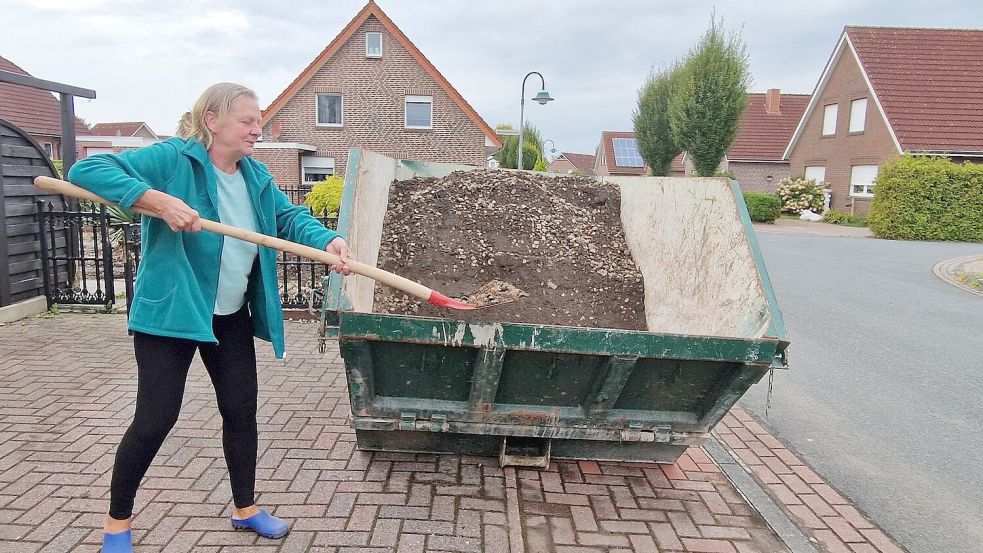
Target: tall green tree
(652,129)
(708,96)
(532,147)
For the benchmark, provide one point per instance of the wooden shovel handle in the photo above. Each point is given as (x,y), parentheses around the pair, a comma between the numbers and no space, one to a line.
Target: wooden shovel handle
(384,277)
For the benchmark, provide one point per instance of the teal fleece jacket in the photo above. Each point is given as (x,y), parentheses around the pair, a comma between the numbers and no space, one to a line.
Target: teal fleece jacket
(177,280)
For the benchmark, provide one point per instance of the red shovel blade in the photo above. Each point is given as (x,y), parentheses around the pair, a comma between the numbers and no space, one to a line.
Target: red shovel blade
(440,300)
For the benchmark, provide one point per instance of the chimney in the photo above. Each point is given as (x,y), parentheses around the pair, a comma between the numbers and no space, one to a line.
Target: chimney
(773,99)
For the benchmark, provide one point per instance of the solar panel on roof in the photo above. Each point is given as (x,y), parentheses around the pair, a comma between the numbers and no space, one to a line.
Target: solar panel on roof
(626,153)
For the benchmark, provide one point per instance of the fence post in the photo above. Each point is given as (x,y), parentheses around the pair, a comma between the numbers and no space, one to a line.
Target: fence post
(127,268)
(45,259)
(107,258)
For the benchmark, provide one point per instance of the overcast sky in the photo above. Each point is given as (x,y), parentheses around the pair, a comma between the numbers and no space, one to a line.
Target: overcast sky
(149,60)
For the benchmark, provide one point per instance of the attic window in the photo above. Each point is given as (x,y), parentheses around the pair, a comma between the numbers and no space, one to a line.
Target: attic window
(419,112)
(373,45)
(829,120)
(858,115)
(329,110)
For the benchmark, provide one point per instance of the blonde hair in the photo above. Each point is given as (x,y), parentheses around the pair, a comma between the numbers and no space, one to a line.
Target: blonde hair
(184,126)
(217,99)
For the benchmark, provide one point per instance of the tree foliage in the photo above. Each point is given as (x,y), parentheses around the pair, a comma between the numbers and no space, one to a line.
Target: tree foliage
(651,120)
(707,97)
(532,147)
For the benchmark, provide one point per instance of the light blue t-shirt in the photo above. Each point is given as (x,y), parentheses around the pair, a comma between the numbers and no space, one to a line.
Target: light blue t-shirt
(235,208)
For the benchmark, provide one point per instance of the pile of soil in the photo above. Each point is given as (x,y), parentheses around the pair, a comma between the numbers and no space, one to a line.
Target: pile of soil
(558,239)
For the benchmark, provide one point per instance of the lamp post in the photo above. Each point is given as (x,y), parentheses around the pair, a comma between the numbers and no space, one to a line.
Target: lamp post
(553,149)
(542,97)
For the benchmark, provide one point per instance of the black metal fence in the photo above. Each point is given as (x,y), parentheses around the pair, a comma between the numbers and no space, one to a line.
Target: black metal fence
(300,279)
(85,255)
(76,255)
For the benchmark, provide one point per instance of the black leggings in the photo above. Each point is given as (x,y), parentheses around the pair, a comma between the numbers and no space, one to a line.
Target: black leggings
(162,368)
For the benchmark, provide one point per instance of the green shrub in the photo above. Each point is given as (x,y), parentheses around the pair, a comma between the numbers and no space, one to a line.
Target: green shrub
(800,193)
(763,208)
(928,198)
(325,196)
(835,217)
(58,167)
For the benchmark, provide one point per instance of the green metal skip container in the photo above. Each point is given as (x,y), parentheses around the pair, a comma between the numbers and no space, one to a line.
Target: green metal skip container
(526,392)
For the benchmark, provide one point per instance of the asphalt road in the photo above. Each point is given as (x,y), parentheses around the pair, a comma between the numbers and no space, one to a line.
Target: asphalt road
(885,392)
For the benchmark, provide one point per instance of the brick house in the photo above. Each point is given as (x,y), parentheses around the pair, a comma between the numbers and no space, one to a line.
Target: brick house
(130,129)
(756,157)
(568,162)
(35,111)
(884,92)
(113,138)
(617,154)
(369,88)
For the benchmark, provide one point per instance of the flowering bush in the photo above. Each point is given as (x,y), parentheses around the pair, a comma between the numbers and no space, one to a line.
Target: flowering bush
(799,193)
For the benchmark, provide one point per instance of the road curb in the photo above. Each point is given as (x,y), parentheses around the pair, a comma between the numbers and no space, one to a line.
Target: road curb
(946,270)
(758,498)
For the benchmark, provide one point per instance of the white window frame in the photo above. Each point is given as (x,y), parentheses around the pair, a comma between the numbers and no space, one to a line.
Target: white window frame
(816,169)
(860,180)
(858,115)
(316,162)
(49,149)
(830,113)
(341,109)
(368,53)
(417,100)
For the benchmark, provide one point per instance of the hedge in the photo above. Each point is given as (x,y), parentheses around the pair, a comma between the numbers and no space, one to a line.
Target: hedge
(763,208)
(928,198)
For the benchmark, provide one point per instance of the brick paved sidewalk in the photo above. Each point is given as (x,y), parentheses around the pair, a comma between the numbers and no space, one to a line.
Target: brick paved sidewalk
(67,389)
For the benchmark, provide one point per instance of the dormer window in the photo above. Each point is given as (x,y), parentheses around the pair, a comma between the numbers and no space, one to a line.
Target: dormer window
(373,45)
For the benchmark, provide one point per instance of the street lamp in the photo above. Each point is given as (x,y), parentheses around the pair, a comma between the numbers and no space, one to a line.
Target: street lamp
(542,97)
(553,149)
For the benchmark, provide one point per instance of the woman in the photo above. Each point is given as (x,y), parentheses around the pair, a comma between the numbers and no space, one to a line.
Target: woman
(199,291)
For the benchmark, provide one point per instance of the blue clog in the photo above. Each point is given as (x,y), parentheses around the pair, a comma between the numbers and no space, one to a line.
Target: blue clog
(121,542)
(264,524)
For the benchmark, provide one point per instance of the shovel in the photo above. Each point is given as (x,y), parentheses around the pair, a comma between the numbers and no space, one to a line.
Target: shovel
(385,277)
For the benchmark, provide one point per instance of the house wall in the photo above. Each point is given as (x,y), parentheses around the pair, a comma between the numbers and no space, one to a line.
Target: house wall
(759,177)
(284,164)
(143,132)
(561,166)
(373,92)
(873,146)
(55,142)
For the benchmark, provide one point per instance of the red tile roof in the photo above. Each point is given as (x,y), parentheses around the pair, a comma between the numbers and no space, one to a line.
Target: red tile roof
(929,82)
(607,143)
(763,136)
(128,128)
(32,109)
(583,162)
